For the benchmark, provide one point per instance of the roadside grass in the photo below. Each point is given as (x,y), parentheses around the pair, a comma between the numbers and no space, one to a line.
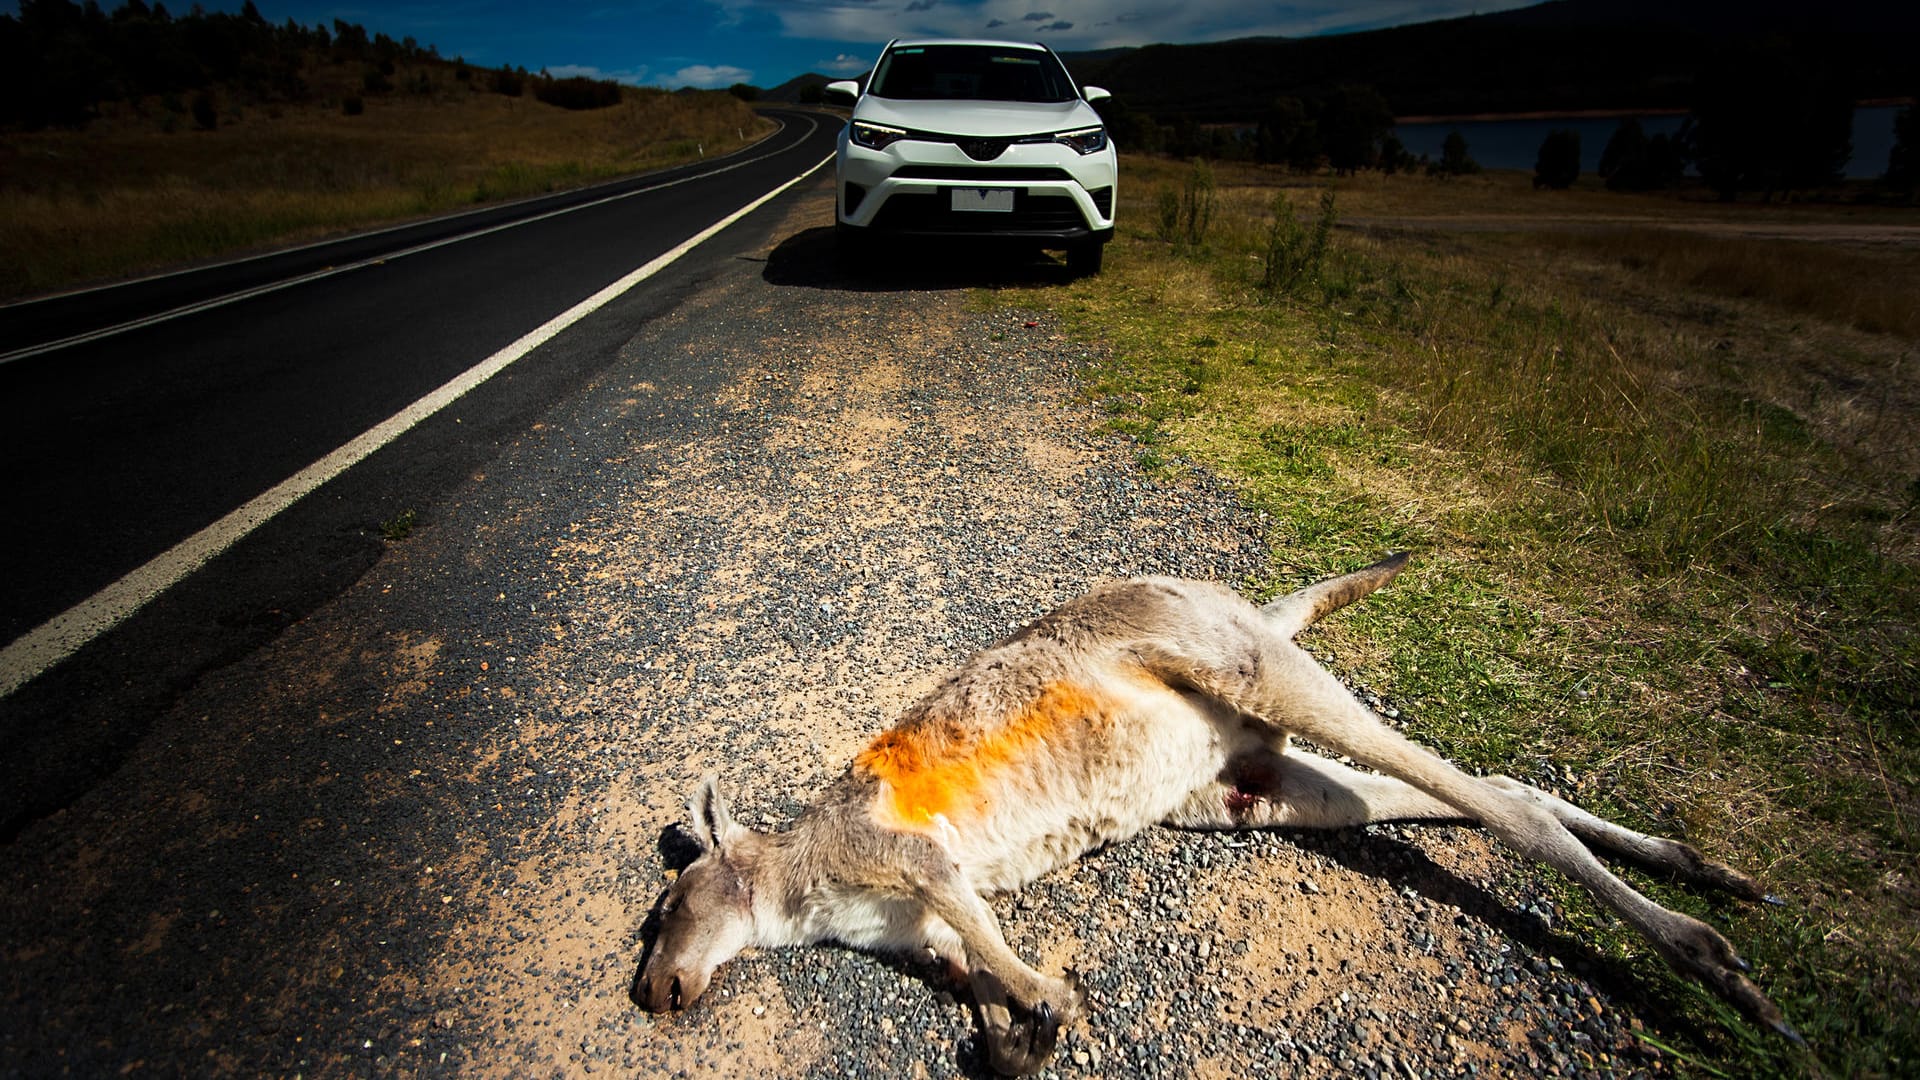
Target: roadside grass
(1872,292)
(139,190)
(1665,543)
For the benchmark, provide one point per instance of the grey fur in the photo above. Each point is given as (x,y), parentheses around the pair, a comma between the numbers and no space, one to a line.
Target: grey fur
(1147,701)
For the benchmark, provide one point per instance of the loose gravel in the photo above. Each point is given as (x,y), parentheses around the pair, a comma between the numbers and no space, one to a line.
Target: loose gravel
(422,832)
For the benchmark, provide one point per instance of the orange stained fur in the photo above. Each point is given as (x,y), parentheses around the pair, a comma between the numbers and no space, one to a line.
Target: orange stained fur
(943,768)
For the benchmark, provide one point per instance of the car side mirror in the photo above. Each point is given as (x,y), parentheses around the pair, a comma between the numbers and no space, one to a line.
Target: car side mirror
(845,91)
(1094,93)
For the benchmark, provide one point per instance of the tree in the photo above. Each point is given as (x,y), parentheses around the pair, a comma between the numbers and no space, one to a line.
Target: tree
(1352,123)
(1557,164)
(1903,161)
(349,40)
(1395,157)
(1286,133)
(1454,159)
(1634,162)
(1768,122)
(1623,163)
(744,91)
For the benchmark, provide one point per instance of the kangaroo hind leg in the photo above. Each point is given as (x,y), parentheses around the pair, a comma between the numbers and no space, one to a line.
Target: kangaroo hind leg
(1264,789)
(1268,678)
(1672,858)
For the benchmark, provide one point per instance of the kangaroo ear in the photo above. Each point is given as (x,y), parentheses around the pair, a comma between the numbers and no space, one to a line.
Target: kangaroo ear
(710,822)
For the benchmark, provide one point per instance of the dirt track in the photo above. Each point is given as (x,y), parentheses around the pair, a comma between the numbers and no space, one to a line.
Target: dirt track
(422,831)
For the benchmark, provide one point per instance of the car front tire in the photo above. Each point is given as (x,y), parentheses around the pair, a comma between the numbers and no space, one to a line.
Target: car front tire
(1083,260)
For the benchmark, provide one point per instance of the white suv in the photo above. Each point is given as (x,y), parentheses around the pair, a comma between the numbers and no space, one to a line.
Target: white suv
(976,138)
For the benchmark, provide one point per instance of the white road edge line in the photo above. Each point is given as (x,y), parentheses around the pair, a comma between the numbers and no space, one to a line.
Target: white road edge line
(65,634)
(288,283)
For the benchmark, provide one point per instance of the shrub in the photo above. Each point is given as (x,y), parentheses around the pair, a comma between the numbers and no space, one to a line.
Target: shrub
(1197,202)
(1168,217)
(353,105)
(205,115)
(1295,252)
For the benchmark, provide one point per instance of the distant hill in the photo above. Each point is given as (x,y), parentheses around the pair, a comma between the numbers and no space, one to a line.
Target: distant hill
(1566,55)
(790,92)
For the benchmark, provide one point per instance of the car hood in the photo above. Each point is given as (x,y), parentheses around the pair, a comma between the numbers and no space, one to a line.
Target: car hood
(991,119)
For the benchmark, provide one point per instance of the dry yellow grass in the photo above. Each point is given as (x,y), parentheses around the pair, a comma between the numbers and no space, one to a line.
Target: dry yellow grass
(1875,291)
(142,189)
(1507,194)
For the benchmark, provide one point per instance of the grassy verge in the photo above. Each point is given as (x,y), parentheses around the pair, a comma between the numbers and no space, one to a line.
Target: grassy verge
(1664,520)
(142,188)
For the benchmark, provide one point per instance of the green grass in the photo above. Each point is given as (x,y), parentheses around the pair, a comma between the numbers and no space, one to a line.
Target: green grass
(1664,530)
(399,527)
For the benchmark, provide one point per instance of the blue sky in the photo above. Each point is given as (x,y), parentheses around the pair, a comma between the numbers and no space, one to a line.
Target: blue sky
(766,42)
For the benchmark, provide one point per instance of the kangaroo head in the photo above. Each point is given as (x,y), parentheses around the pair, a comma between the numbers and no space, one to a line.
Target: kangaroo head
(707,916)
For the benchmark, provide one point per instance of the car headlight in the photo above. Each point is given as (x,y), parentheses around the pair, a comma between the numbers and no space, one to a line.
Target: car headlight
(876,136)
(1086,140)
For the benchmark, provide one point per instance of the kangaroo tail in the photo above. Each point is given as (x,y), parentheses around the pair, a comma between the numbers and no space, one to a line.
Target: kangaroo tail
(1296,611)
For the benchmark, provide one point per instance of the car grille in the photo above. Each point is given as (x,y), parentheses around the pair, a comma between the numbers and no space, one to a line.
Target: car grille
(974,172)
(1103,201)
(933,213)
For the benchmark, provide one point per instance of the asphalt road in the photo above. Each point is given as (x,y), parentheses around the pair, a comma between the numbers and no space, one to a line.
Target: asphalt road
(112,450)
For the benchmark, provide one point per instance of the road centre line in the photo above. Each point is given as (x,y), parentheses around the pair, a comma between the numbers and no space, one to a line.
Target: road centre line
(330,271)
(65,634)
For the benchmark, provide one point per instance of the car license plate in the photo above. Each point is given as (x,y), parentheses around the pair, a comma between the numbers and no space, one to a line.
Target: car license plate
(990,200)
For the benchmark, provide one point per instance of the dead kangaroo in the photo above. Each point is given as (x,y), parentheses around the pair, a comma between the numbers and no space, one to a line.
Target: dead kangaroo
(1154,701)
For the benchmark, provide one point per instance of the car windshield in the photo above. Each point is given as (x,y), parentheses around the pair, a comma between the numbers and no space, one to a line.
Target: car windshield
(972,73)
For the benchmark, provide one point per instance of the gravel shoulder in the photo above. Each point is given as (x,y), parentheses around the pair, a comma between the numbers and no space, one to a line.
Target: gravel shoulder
(422,831)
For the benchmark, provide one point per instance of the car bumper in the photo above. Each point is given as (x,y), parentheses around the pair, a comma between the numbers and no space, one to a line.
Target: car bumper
(1057,195)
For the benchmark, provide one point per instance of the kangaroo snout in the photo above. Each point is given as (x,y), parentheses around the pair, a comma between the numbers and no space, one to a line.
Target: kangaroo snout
(670,991)
(706,917)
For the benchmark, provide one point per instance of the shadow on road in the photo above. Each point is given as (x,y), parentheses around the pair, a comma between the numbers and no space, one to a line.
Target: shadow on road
(812,259)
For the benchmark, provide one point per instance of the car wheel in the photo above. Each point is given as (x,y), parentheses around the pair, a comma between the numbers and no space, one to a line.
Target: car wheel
(1084,260)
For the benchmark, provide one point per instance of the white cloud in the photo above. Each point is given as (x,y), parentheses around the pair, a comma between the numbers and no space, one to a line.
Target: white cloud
(706,76)
(844,64)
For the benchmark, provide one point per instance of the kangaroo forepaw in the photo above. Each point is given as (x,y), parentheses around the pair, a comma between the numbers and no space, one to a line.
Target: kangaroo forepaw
(1021,1039)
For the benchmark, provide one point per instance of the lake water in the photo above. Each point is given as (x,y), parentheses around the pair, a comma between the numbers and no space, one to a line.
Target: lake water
(1513,144)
